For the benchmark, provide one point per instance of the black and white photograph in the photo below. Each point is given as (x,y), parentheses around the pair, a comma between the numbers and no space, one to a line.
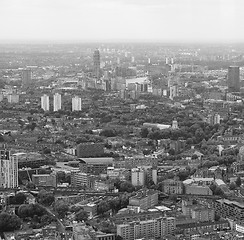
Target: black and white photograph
(121,120)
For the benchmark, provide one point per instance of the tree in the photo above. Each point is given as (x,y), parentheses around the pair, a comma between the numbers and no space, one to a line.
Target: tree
(238,182)
(232,186)
(126,187)
(82,215)
(47,219)
(46,151)
(144,132)
(108,132)
(103,207)
(62,209)
(9,222)
(30,186)
(31,210)
(45,198)
(19,198)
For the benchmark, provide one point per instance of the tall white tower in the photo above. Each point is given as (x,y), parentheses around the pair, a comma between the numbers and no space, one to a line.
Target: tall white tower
(76,103)
(8,170)
(45,102)
(56,102)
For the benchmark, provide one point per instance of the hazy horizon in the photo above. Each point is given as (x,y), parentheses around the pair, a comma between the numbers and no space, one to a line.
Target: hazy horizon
(161,21)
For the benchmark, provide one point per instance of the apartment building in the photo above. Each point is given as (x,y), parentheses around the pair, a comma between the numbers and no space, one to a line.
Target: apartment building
(8,169)
(171,186)
(79,179)
(153,228)
(229,209)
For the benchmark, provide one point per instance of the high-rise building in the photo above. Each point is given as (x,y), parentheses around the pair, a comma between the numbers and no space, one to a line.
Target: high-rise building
(76,103)
(56,102)
(8,169)
(173,92)
(26,77)
(45,102)
(138,177)
(96,62)
(234,79)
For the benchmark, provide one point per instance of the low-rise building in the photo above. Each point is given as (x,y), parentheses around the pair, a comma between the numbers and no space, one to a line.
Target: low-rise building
(95,166)
(47,180)
(171,186)
(200,226)
(153,228)
(144,199)
(197,189)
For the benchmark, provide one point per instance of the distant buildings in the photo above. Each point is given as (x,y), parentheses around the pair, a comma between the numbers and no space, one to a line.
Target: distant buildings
(148,229)
(234,79)
(13,98)
(173,92)
(45,102)
(26,78)
(76,103)
(96,63)
(8,170)
(56,102)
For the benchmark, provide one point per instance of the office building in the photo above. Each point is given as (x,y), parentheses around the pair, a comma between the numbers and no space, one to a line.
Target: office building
(148,229)
(45,180)
(96,63)
(56,102)
(8,169)
(144,199)
(26,78)
(45,102)
(138,177)
(95,166)
(234,79)
(76,104)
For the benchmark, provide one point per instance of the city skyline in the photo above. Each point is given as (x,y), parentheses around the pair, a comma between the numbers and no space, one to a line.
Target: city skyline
(121,20)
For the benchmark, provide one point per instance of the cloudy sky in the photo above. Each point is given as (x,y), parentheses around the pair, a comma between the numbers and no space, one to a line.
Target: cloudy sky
(128,20)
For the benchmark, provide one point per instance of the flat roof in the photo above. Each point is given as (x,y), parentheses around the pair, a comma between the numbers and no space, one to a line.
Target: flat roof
(103,160)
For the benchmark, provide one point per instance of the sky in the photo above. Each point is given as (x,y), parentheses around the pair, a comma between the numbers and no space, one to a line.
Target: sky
(122,20)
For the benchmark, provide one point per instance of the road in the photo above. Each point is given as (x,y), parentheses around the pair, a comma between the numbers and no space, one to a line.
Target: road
(60,227)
